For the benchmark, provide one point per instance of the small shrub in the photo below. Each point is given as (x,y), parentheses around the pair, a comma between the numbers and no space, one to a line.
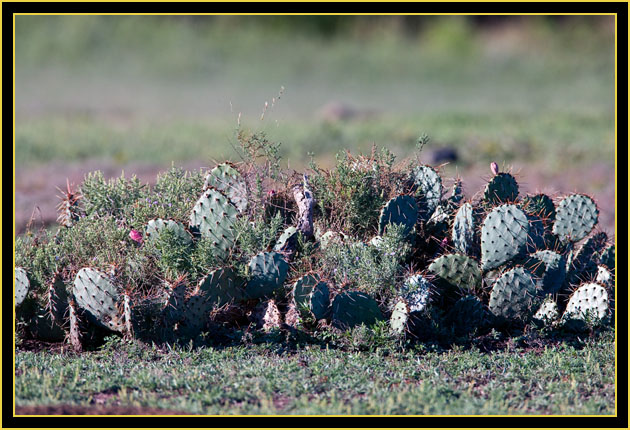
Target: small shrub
(350,197)
(373,270)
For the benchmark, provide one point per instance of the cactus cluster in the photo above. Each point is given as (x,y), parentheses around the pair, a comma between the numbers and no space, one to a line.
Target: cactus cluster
(497,261)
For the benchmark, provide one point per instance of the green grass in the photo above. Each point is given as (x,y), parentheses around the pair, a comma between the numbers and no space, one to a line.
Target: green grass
(553,140)
(269,379)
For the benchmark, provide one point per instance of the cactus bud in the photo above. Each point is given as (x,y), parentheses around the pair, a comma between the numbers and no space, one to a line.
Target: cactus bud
(495,168)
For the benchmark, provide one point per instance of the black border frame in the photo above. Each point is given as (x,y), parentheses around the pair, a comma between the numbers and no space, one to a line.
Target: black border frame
(621,9)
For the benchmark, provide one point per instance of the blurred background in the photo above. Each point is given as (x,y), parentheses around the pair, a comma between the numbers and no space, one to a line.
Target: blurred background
(138,93)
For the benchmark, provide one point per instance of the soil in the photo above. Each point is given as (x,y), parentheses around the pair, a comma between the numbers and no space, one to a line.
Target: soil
(36,188)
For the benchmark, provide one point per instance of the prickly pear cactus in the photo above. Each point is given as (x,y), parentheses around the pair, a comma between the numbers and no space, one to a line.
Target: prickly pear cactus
(412,299)
(98,296)
(290,233)
(502,188)
(214,217)
(353,308)
(463,234)
(175,301)
(229,181)
(504,236)
(550,267)
(576,215)
(456,272)
(58,300)
(267,271)
(220,287)
(538,234)
(401,210)
(514,296)
(466,315)
(320,300)
(582,263)
(428,188)
(155,226)
(195,317)
(22,285)
(399,317)
(439,222)
(68,207)
(416,292)
(457,192)
(587,303)
(607,257)
(548,313)
(309,293)
(541,206)
(604,276)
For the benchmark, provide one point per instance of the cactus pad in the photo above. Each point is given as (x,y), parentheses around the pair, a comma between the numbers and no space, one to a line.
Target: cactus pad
(155,226)
(588,301)
(98,296)
(220,287)
(429,189)
(582,263)
(353,308)
(513,296)
(283,242)
(604,276)
(455,271)
(22,285)
(312,294)
(502,188)
(541,206)
(58,300)
(229,181)
(504,236)
(214,217)
(457,192)
(399,317)
(550,267)
(268,271)
(607,257)
(416,292)
(175,303)
(547,313)
(196,315)
(467,314)
(463,234)
(401,210)
(576,216)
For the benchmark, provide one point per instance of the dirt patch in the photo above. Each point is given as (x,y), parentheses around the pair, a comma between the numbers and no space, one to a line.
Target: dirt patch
(35,345)
(105,396)
(280,402)
(93,410)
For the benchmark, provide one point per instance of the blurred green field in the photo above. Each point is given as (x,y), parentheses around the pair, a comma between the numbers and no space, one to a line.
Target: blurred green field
(162,89)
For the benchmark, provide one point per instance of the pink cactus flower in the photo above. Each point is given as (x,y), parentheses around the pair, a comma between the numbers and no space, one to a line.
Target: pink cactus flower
(444,243)
(495,168)
(136,236)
